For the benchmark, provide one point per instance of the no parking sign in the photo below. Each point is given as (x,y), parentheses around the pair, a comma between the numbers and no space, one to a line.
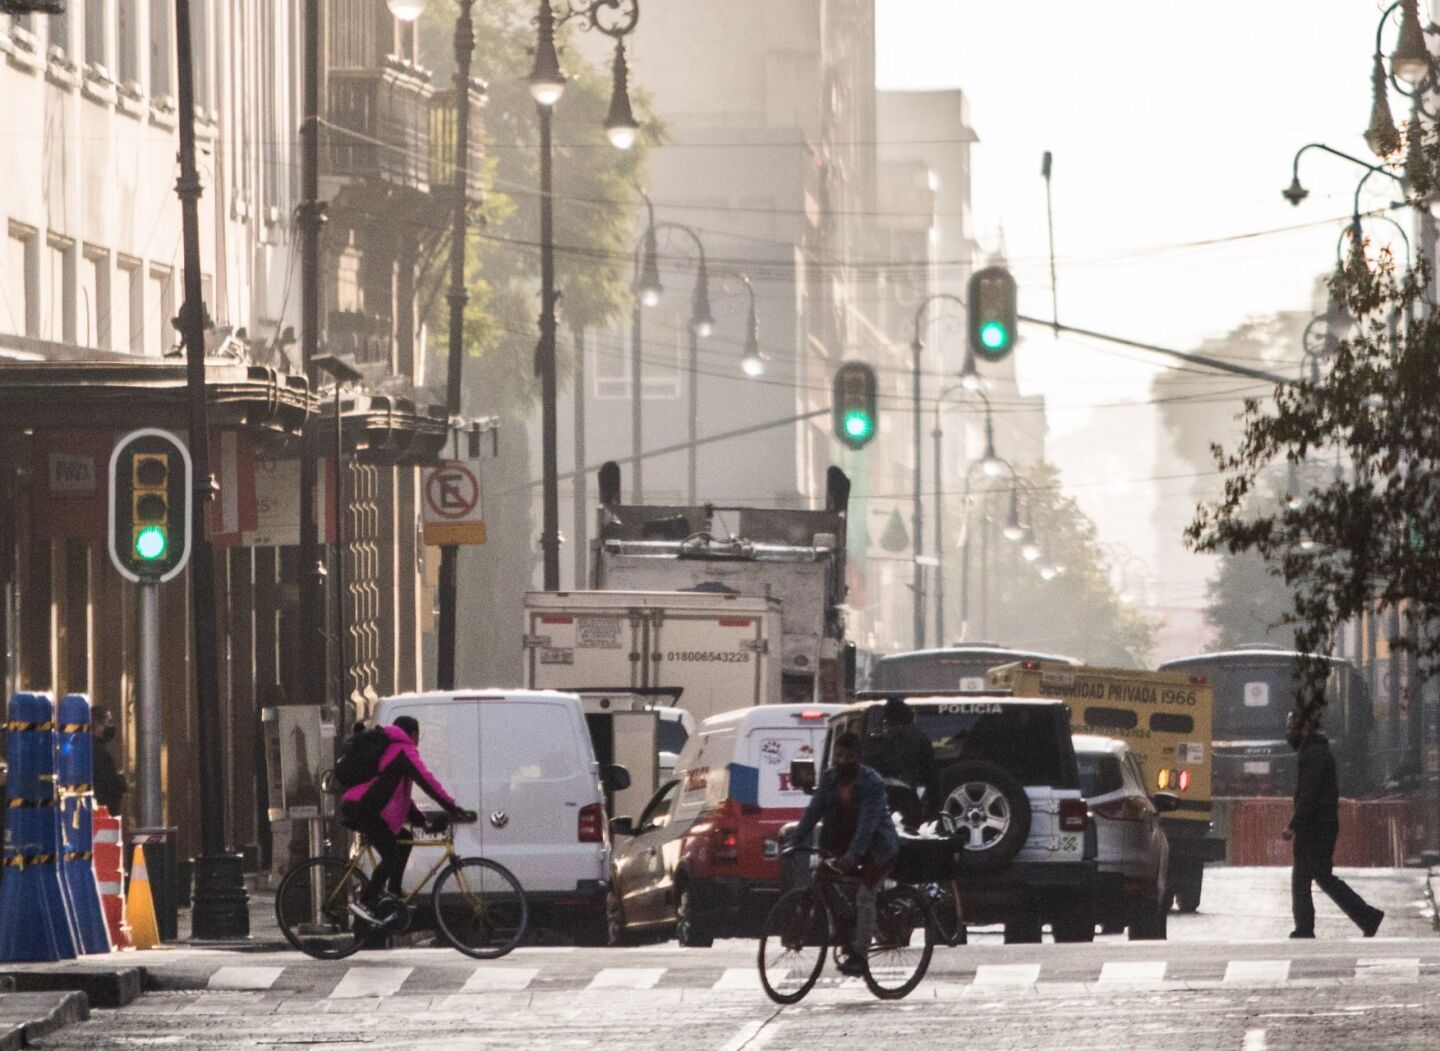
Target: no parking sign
(454,512)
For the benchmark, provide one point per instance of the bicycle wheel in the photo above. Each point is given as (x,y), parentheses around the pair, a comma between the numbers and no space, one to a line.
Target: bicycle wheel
(480,908)
(312,906)
(793,945)
(903,942)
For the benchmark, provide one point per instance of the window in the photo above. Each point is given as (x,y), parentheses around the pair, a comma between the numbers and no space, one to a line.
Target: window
(21,302)
(97,34)
(160,48)
(657,814)
(1111,718)
(57,320)
(132,287)
(95,304)
(160,308)
(128,42)
(1099,774)
(1166,723)
(59,31)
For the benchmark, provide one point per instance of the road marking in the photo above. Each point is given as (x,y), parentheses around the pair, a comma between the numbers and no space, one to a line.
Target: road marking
(1254,971)
(1254,1040)
(1407,969)
(1132,971)
(370,981)
(743,979)
(1007,974)
(626,978)
(244,977)
(499,979)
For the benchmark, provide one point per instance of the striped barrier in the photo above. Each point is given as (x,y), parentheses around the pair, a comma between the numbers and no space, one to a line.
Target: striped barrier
(110,875)
(35,918)
(1374,833)
(73,771)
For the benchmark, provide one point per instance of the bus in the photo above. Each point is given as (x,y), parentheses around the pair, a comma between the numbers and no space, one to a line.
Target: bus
(1255,691)
(1165,719)
(961,667)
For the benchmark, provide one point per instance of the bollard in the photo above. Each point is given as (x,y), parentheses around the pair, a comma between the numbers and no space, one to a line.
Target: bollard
(73,769)
(110,876)
(35,922)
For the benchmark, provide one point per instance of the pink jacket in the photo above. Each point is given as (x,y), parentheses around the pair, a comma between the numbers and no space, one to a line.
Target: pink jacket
(400,766)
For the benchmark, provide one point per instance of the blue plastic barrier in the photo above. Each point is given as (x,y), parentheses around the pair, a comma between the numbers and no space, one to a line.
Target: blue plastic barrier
(35,922)
(73,770)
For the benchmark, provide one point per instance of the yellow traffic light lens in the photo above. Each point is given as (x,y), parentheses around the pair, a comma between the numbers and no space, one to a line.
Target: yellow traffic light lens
(994,335)
(858,424)
(151,543)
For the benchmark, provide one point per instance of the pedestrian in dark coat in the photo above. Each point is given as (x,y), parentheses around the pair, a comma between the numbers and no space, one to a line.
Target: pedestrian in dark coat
(1313,831)
(107,780)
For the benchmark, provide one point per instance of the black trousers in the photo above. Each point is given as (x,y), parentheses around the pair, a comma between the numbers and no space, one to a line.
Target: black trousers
(393,853)
(1314,864)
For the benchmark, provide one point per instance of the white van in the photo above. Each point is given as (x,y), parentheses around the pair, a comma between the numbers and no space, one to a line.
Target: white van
(522,760)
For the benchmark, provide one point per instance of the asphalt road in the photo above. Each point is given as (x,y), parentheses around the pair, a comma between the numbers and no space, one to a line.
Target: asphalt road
(1228,978)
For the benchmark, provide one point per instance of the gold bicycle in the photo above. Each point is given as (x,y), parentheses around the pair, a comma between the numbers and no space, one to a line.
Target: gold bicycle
(479,906)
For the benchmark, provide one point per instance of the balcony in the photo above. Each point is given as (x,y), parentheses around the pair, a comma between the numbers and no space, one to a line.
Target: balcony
(379,126)
(442,141)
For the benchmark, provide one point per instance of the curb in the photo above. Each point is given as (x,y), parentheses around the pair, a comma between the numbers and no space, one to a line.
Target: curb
(109,988)
(47,1013)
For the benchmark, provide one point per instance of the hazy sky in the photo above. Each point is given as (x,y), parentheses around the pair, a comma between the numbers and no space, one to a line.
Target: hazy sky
(1170,124)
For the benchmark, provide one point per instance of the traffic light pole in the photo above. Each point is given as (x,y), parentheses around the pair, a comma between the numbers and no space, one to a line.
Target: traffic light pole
(149,732)
(917,514)
(220,910)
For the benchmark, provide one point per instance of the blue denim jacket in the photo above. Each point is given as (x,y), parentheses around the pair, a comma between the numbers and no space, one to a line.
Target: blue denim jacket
(875,834)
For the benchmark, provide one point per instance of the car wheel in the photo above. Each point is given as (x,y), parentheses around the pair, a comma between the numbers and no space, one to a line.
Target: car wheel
(615,928)
(1149,919)
(688,930)
(1023,930)
(985,809)
(1187,892)
(1073,928)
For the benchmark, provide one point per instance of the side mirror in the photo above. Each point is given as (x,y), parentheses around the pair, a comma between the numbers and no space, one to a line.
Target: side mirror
(1166,802)
(622,826)
(616,777)
(802,775)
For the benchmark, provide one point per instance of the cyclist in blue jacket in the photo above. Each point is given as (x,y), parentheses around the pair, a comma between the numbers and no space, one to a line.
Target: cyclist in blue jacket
(850,800)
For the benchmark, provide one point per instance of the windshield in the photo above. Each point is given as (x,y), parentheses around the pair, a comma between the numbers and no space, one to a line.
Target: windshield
(1031,741)
(672,736)
(1254,697)
(960,669)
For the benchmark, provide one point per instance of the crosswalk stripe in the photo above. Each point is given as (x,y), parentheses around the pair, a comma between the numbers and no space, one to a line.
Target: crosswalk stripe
(1257,971)
(1405,969)
(627,978)
(1133,971)
(370,981)
(743,979)
(1007,974)
(499,979)
(244,977)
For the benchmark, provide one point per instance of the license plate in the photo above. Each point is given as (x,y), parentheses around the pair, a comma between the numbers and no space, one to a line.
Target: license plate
(1257,768)
(772,848)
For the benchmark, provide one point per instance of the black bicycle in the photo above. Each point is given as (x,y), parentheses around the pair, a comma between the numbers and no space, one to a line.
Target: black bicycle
(805,924)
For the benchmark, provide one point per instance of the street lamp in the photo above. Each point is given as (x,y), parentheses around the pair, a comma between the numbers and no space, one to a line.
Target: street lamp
(1029,546)
(1412,73)
(406,10)
(1295,192)
(937,435)
(1410,60)
(752,362)
(1013,530)
(616,19)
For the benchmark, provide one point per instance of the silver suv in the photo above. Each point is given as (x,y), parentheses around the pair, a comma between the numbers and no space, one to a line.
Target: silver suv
(1007,791)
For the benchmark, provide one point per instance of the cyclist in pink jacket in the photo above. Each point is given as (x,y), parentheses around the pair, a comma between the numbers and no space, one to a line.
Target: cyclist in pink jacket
(380,808)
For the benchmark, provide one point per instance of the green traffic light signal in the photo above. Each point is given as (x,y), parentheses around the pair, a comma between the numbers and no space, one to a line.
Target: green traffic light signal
(994,335)
(854,404)
(151,543)
(858,424)
(992,312)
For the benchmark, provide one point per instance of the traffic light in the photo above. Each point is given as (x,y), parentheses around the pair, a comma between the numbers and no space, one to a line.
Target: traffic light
(854,404)
(991,305)
(149,505)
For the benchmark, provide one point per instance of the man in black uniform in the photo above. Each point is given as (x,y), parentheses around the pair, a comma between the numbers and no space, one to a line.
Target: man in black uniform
(108,782)
(903,755)
(1314,829)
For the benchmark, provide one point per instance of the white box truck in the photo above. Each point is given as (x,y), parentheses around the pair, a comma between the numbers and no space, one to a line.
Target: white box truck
(721,651)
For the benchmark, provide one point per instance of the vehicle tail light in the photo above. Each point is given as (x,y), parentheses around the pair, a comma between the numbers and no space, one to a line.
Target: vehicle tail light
(809,714)
(1162,779)
(1126,808)
(591,826)
(1183,781)
(727,844)
(1072,815)
(1198,680)
(1030,665)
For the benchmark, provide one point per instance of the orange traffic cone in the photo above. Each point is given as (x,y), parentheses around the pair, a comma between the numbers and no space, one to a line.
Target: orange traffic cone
(139,906)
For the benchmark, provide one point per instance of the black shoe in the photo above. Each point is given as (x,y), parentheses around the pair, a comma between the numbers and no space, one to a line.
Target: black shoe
(1370,926)
(366,913)
(1307,934)
(853,966)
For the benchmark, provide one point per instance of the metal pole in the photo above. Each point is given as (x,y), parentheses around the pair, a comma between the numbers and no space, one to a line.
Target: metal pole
(916,514)
(693,424)
(637,394)
(965,569)
(985,568)
(314,639)
(938,435)
(550,490)
(1050,222)
(149,731)
(220,909)
(578,519)
(457,297)
(340,627)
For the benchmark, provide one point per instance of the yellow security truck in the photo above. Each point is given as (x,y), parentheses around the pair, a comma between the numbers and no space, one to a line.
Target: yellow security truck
(1165,719)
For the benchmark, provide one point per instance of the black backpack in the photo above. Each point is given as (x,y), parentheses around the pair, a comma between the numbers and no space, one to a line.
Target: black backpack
(360,761)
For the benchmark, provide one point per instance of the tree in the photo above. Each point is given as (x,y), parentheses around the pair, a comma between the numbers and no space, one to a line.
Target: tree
(594,196)
(1367,538)
(1249,603)
(1078,612)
